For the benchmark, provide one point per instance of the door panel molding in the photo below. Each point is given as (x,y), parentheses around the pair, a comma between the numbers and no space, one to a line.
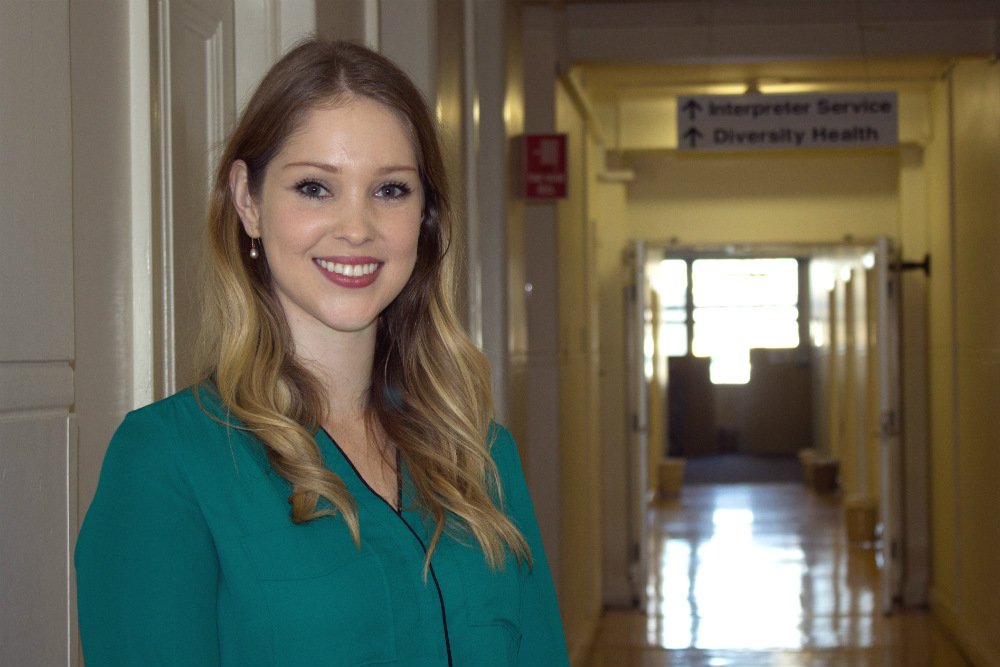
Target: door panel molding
(194,106)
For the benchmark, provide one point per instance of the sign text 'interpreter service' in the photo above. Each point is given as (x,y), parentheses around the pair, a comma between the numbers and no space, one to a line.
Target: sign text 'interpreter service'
(758,122)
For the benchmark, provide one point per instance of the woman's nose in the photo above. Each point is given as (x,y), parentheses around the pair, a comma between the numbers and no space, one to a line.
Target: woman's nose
(353,222)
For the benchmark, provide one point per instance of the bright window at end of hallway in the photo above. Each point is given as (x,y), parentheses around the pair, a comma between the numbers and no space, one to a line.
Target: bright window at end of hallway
(740,305)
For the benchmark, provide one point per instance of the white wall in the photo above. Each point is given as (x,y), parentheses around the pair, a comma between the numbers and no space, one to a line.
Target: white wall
(535,362)
(495,35)
(353,20)
(407,35)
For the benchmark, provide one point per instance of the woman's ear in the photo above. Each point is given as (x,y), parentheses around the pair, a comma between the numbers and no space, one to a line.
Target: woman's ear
(246,206)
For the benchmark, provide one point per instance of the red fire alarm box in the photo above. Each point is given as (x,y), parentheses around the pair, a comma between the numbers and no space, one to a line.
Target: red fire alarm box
(543,159)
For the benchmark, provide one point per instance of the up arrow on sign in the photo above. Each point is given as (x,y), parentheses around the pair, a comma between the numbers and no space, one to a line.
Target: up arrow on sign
(693,135)
(692,107)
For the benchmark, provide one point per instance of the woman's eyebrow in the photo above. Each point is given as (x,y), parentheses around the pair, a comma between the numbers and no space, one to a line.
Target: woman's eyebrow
(336,169)
(332,168)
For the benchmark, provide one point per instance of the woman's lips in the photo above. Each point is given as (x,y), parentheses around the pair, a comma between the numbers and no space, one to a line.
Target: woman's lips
(353,272)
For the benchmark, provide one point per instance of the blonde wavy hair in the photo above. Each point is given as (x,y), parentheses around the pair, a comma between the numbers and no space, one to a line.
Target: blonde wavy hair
(430,389)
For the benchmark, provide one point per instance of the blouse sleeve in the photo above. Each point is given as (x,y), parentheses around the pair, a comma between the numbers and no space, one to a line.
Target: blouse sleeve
(147,571)
(542,639)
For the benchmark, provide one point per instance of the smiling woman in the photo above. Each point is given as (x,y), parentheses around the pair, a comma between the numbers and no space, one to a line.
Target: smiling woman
(336,381)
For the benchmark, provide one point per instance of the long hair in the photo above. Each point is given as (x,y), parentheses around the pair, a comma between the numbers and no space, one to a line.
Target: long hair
(430,388)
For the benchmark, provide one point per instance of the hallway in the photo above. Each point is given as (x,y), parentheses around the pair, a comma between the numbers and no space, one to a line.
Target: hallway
(749,575)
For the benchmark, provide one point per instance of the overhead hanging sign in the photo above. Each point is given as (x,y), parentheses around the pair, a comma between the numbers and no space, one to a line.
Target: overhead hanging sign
(814,120)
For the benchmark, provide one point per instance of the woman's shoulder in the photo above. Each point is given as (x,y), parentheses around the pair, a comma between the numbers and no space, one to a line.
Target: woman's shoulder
(179,424)
(195,401)
(503,450)
(500,443)
(196,406)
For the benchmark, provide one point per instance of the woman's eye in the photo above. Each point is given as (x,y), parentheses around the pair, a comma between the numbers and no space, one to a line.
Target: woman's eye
(311,189)
(393,191)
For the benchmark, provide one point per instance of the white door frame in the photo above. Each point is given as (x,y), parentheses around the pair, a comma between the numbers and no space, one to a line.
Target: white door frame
(890,441)
(637,473)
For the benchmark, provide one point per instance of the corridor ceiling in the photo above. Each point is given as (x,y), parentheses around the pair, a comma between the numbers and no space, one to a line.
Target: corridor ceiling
(611,82)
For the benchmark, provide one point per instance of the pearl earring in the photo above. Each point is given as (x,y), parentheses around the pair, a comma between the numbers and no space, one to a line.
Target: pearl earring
(254,253)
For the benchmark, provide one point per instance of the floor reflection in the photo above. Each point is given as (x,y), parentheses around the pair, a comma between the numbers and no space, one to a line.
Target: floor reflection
(762,574)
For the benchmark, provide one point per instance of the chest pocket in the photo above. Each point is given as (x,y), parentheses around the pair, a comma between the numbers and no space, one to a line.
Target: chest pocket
(327,600)
(493,603)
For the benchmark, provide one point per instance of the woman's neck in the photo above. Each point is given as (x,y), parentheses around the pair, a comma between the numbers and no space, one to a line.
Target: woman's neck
(342,362)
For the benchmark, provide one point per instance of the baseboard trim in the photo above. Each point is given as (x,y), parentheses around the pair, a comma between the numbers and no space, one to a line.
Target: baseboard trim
(970,641)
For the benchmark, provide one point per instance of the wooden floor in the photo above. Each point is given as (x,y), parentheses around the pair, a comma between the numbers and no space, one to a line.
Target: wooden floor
(747,575)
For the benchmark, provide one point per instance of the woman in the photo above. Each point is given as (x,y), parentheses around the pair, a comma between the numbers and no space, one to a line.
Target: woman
(334,492)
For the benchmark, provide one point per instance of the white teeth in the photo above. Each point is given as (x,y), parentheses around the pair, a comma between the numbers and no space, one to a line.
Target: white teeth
(348,270)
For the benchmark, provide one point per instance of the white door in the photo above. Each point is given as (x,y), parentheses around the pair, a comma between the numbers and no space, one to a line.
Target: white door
(38,441)
(890,503)
(638,442)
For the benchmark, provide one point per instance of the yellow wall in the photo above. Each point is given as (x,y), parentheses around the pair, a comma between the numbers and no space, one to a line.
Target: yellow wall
(763,197)
(965,369)
(607,208)
(579,414)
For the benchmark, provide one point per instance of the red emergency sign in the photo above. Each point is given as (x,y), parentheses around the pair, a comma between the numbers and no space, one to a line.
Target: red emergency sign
(544,166)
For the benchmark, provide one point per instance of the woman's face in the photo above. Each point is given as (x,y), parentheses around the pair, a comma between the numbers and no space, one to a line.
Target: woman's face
(338,217)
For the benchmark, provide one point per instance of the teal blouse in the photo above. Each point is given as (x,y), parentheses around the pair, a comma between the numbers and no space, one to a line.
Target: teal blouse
(188,558)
